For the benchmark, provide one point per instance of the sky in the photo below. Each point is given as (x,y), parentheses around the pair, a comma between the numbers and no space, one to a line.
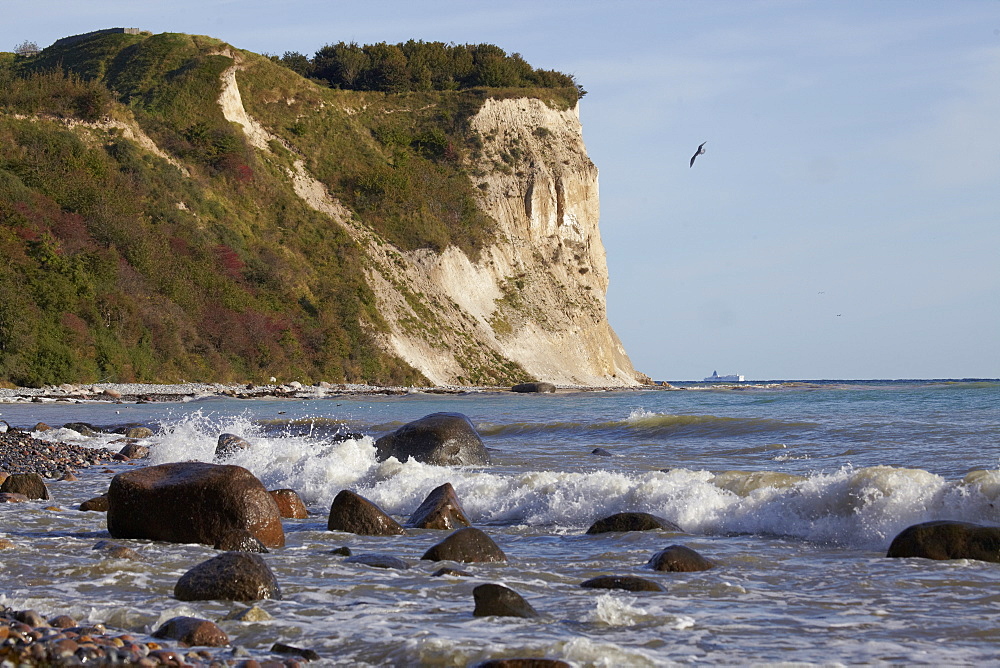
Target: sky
(844,221)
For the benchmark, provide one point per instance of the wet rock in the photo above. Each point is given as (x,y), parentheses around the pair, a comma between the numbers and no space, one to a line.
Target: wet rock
(440,510)
(307,654)
(135,451)
(30,617)
(454,572)
(626,582)
(62,622)
(228,445)
(632,522)
(82,428)
(239,541)
(289,504)
(69,476)
(231,576)
(97,504)
(139,432)
(114,550)
(342,551)
(378,561)
(191,631)
(41,426)
(253,613)
(9,497)
(355,514)
(192,502)
(5,544)
(493,600)
(467,545)
(442,439)
(600,452)
(679,559)
(526,388)
(30,484)
(947,539)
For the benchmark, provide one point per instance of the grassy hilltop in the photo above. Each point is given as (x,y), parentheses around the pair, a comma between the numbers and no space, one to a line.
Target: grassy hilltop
(203,263)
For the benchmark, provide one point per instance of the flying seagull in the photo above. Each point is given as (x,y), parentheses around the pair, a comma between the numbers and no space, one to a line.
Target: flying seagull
(701,149)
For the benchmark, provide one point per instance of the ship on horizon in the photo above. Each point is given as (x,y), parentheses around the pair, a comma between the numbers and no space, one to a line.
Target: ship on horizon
(731,378)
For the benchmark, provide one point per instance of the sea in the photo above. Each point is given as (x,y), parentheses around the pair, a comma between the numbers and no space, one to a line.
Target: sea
(795,489)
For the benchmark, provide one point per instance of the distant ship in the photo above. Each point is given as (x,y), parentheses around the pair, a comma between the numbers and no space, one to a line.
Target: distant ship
(731,378)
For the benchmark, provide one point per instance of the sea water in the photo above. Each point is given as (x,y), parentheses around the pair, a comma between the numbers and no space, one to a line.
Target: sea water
(795,490)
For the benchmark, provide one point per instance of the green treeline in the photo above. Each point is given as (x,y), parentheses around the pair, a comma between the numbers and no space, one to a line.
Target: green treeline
(422,66)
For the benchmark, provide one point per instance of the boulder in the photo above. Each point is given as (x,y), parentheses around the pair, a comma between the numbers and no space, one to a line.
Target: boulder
(353,513)
(139,432)
(97,504)
(946,539)
(9,497)
(239,540)
(30,484)
(493,600)
(679,559)
(82,428)
(231,576)
(378,561)
(114,550)
(626,582)
(228,445)
(443,439)
(440,510)
(192,502)
(526,388)
(467,545)
(41,426)
(192,632)
(135,451)
(289,504)
(305,653)
(632,522)
(600,452)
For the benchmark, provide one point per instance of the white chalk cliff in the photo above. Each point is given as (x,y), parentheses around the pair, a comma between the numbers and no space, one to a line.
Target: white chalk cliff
(533,303)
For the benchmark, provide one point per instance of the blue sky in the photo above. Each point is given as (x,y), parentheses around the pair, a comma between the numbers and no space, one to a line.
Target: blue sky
(844,221)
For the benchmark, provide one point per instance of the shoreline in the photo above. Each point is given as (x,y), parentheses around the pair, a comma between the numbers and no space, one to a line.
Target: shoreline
(162,392)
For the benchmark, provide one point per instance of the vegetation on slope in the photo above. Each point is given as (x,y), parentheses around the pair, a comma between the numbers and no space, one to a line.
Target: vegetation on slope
(120,267)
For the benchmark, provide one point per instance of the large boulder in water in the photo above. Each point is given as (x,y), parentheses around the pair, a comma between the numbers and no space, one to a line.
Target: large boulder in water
(290,504)
(192,632)
(30,484)
(632,522)
(497,600)
(443,439)
(948,539)
(679,559)
(192,502)
(626,582)
(467,545)
(353,513)
(440,510)
(231,576)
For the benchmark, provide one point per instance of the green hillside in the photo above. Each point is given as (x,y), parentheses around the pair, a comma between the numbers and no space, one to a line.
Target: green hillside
(120,267)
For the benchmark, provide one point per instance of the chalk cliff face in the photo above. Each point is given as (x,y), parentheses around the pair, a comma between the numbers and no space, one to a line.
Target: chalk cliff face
(536,297)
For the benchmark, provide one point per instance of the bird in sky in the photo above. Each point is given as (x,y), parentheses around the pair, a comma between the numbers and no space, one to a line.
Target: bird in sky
(701,149)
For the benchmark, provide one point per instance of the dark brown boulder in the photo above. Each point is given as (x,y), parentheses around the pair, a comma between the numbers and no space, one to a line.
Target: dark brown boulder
(440,510)
(948,539)
(493,600)
(305,653)
(289,504)
(192,502)
(632,522)
(97,504)
(29,484)
(467,545)
(443,439)
(192,632)
(626,582)
(353,513)
(526,388)
(134,451)
(228,445)
(679,559)
(231,576)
